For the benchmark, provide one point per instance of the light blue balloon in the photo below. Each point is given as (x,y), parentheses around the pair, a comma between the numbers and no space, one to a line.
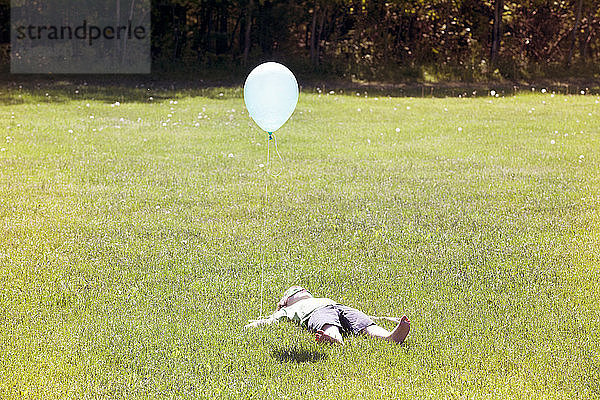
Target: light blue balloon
(271,95)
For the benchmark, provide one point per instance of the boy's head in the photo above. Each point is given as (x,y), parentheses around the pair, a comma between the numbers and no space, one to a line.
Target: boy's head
(292,294)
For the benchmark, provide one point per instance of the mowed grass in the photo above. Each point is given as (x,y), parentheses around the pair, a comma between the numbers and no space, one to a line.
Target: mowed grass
(133,236)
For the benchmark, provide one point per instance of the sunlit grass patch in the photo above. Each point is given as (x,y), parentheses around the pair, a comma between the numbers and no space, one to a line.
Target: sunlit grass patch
(135,230)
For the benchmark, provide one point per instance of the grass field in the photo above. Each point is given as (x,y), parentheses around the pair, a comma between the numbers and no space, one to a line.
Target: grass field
(134,229)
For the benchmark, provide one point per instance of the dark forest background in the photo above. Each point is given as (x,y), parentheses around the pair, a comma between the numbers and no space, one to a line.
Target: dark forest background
(395,40)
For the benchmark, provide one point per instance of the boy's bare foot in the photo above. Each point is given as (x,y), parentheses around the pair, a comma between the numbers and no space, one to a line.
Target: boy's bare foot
(322,337)
(401,331)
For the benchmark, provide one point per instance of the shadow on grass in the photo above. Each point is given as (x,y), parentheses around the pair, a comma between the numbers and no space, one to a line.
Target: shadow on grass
(33,89)
(23,89)
(297,355)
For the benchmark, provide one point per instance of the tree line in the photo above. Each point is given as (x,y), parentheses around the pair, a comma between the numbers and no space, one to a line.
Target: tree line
(379,39)
(371,39)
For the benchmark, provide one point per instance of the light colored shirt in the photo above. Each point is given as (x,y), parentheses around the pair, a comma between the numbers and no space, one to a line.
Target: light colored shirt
(300,311)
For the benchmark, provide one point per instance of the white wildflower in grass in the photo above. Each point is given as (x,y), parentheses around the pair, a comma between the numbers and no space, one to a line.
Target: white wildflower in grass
(492,92)
(408,107)
(175,102)
(261,165)
(150,98)
(70,131)
(582,92)
(3,149)
(91,117)
(543,90)
(87,104)
(553,141)
(397,129)
(460,129)
(331,92)
(581,157)
(230,155)
(358,109)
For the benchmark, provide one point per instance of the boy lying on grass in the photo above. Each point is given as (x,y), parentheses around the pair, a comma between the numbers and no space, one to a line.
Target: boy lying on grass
(328,318)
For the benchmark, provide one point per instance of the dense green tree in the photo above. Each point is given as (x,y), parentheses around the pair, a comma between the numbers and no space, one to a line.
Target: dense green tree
(377,39)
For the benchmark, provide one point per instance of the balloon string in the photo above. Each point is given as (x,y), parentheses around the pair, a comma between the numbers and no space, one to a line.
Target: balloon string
(269,138)
(262,268)
(272,136)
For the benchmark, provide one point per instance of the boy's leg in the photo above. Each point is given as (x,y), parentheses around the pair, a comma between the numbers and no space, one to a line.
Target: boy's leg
(398,335)
(329,333)
(325,321)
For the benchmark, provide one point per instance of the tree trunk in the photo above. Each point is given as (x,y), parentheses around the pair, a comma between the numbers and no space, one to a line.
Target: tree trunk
(117,42)
(496,30)
(232,38)
(319,35)
(124,38)
(313,30)
(588,37)
(221,45)
(248,30)
(574,36)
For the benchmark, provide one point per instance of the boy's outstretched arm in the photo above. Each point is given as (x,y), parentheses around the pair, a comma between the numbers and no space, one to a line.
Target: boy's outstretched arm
(253,323)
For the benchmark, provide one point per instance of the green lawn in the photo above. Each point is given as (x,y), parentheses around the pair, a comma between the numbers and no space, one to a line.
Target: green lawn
(133,236)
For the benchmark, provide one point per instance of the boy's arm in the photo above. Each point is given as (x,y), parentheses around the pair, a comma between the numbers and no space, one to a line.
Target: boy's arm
(253,323)
(271,319)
